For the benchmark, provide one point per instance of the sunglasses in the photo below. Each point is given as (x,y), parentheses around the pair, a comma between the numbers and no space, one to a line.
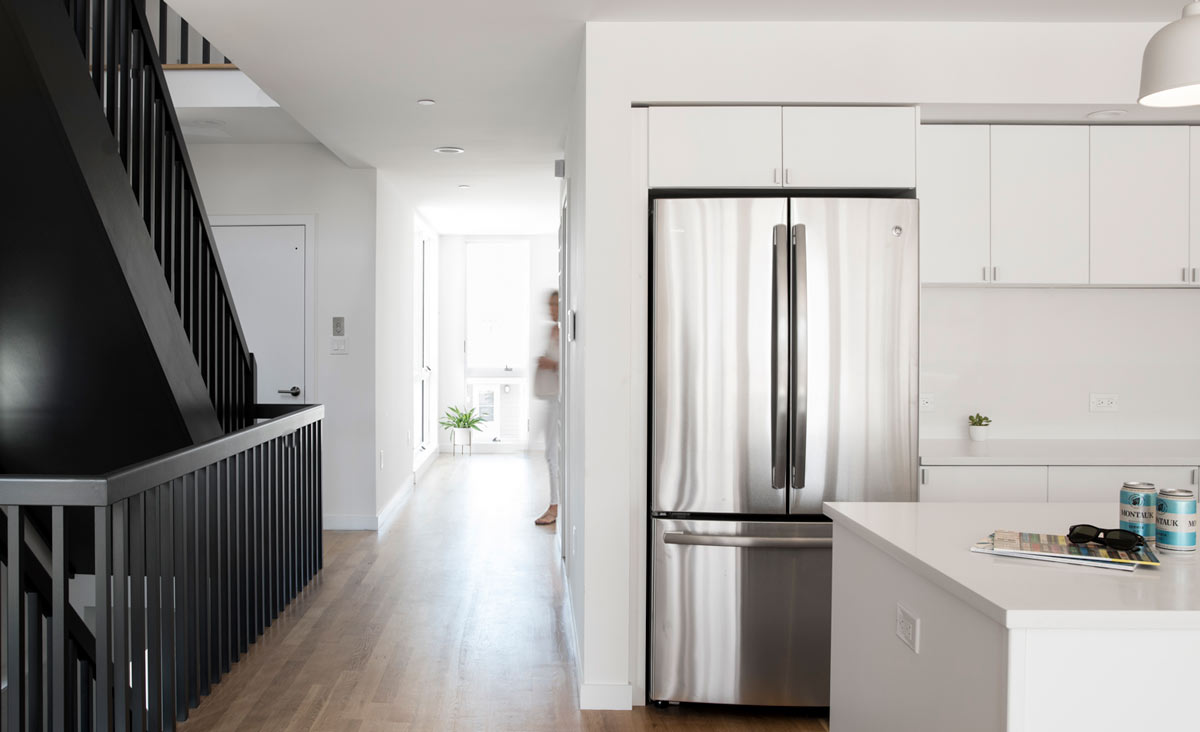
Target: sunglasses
(1118,539)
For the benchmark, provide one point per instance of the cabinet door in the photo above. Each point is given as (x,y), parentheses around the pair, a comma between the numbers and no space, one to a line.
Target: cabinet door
(715,147)
(1195,207)
(1140,205)
(954,189)
(1040,204)
(984,483)
(1099,484)
(849,147)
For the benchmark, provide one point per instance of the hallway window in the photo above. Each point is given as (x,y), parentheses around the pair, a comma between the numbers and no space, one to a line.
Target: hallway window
(498,355)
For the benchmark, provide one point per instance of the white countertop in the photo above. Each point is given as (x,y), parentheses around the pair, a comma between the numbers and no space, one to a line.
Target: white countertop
(934,540)
(1060,452)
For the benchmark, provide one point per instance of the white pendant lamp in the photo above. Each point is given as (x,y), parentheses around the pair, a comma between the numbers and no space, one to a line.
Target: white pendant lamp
(1171,64)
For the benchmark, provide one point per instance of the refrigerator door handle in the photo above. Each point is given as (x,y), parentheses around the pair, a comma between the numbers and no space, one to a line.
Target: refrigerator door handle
(798,409)
(748,542)
(779,361)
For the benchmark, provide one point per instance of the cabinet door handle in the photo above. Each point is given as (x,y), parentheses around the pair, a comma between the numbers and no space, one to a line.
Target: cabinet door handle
(787,176)
(985,273)
(995,277)
(1184,273)
(923,480)
(1193,476)
(775,175)
(1193,274)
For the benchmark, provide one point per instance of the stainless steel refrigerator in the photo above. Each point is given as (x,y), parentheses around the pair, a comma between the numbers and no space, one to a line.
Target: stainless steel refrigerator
(784,374)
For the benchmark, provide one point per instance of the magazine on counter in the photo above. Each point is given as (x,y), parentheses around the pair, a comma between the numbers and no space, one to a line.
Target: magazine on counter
(1056,547)
(986,547)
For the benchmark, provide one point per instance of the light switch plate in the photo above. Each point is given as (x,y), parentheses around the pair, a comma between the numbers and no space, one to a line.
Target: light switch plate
(337,346)
(339,325)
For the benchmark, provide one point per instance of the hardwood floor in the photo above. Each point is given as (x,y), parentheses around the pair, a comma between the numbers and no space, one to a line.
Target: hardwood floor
(451,618)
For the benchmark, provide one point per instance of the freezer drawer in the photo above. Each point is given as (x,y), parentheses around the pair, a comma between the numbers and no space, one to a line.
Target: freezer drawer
(739,612)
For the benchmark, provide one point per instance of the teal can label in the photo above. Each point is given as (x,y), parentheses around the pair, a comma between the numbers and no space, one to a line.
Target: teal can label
(1138,509)
(1176,520)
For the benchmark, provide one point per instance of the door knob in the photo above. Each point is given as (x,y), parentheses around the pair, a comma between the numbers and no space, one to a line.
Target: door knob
(294,391)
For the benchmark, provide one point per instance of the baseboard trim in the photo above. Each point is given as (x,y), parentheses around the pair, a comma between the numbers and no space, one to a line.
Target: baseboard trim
(606,696)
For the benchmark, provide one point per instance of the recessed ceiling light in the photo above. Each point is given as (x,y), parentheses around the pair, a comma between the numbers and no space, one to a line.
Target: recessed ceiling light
(463,187)
(448,150)
(1107,114)
(426,102)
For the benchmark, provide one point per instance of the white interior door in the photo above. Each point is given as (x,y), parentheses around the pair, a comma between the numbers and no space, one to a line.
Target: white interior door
(265,269)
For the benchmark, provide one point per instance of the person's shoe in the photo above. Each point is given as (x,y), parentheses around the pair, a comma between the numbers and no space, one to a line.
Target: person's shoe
(549,517)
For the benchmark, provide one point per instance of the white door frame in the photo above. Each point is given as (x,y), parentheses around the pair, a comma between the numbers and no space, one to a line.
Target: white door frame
(309,222)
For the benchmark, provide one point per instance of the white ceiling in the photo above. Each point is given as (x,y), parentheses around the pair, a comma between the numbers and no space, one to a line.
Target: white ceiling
(502,72)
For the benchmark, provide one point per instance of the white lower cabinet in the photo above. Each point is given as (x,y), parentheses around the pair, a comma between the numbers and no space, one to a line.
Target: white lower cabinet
(1094,484)
(983,483)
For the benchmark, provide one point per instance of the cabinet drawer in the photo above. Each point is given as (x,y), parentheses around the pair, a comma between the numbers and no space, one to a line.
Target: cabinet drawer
(984,484)
(1101,483)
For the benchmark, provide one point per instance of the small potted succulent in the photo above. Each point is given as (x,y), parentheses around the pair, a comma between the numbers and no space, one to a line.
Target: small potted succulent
(461,424)
(977,427)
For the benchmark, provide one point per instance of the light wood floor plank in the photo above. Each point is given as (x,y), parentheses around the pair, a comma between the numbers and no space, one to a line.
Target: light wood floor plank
(451,618)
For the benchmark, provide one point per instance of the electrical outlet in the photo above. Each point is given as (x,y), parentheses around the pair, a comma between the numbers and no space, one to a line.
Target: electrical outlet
(337,346)
(1104,403)
(339,325)
(908,628)
(926,402)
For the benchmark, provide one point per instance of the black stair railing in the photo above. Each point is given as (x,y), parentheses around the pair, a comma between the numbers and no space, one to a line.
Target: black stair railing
(178,42)
(116,42)
(196,552)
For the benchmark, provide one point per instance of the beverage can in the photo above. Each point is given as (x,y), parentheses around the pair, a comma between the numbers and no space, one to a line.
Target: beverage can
(1138,509)
(1175,520)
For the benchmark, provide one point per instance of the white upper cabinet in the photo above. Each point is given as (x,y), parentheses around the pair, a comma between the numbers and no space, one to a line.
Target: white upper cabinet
(1195,206)
(849,147)
(715,147)
(1040,204)
(1140,205)
(954,190)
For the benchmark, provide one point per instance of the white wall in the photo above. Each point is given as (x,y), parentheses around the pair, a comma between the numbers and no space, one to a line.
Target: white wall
(307,179)
(393,285)
(452,317)
(1028,358)
(627,63)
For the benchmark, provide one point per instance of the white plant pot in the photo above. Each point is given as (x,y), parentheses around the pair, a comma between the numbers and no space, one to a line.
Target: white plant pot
(978,434)
(461,436)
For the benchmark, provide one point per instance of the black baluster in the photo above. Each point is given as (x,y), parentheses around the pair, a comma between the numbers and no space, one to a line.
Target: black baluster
(171,607)
(201,584)
(14,640)
(183,41)
(162,31)
(59,665)
(102,519)
(120,625)
(33,663)
(153,552)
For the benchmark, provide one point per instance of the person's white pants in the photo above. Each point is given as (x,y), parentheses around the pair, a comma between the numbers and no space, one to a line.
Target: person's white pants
(550,424)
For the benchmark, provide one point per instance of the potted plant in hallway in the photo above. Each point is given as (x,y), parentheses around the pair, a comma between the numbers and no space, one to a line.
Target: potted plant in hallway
(461,424)
(977,427)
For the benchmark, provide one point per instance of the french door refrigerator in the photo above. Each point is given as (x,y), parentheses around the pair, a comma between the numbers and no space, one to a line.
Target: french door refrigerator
(783,374)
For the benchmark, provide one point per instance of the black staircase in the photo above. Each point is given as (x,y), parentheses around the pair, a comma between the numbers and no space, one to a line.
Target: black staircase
(120,346)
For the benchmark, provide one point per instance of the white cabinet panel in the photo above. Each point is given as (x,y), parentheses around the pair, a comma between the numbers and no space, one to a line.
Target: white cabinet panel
(1084,484)
(1195,207)
(1040,204)
(975,484)
(849,147)
(1140,205)
(954,190)
(715,147)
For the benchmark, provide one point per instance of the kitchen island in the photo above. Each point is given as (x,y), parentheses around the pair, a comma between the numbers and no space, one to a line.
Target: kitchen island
(1002,643)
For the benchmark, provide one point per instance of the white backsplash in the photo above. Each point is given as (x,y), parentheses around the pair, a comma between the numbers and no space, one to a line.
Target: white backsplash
(1029,358)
